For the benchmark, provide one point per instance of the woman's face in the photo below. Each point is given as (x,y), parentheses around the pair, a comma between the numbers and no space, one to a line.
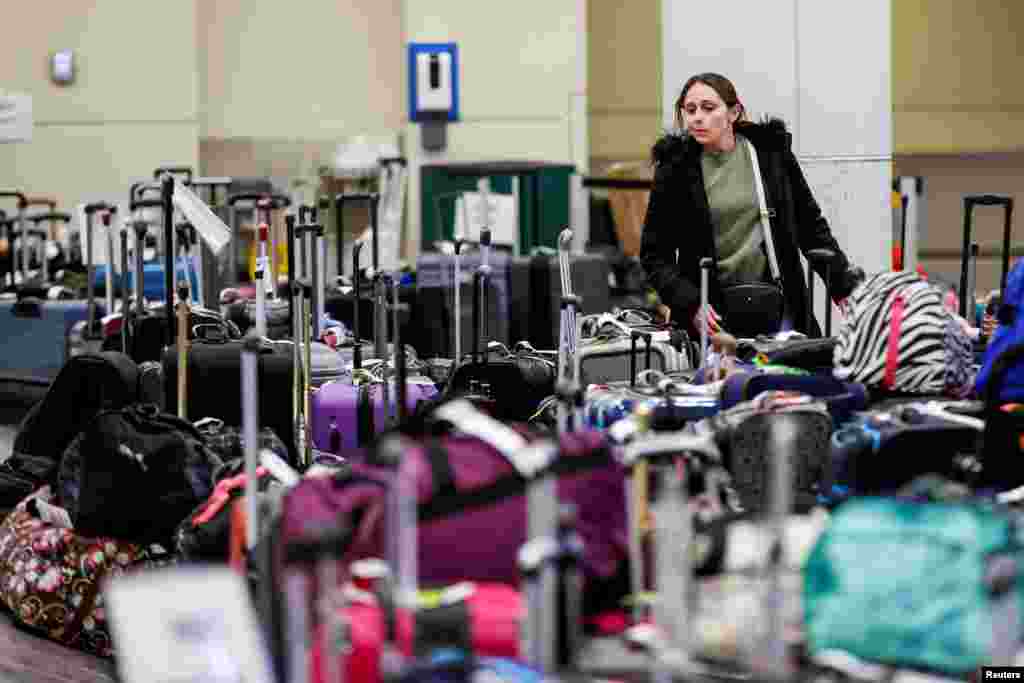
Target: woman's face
(706,117)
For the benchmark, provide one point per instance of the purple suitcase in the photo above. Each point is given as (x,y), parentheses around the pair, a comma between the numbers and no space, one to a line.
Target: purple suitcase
(345,413)
(345,416)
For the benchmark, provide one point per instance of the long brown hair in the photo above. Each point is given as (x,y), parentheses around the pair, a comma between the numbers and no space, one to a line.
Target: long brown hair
(721,85)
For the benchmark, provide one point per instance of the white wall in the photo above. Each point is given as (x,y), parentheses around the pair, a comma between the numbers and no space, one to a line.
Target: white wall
(823,66)
(134,106)
(519,79)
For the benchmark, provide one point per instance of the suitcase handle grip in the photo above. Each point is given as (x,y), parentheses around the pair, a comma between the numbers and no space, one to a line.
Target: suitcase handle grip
(988,200)
(174,170)
(99,206)
(41,201)
(50,216)
(141,188)
(212,182)
(277,201)
(22,201)
(146,204)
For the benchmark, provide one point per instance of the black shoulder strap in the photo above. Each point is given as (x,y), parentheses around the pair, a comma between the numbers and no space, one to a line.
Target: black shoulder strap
(441,472)
(364,414)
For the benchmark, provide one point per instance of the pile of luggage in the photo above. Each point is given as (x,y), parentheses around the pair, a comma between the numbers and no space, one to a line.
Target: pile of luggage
(606,499)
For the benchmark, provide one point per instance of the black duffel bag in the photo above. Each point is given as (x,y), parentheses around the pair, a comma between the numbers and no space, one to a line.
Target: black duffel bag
(134,474)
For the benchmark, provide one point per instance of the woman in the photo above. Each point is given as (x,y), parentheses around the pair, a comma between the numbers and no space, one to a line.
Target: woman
(705,204)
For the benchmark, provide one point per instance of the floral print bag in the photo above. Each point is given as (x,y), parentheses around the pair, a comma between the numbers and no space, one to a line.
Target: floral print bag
(51,578)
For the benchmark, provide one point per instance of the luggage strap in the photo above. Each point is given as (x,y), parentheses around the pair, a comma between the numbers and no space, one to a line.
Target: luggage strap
(892,353)
(528,459)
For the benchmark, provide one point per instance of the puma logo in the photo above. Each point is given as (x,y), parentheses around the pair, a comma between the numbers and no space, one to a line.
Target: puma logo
(131,455)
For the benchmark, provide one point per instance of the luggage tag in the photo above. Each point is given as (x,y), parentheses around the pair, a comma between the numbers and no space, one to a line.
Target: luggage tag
(186,623)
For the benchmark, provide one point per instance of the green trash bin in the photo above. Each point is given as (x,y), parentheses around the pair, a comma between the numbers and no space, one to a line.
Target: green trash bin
(544,197)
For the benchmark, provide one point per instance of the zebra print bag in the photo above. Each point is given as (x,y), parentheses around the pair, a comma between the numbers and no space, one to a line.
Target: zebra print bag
(899,337)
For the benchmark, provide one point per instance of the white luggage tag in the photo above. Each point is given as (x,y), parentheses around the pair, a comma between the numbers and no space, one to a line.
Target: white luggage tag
(212,229)
(186,624)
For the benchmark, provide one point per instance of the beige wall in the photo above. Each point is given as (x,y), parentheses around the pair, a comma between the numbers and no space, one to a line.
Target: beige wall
(282,84)
(947,179)
(518,72)
(134,105)
(313,69)
(624,84)
(956,76)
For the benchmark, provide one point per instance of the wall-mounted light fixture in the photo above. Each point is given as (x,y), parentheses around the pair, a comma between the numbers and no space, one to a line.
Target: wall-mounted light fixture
(62,67)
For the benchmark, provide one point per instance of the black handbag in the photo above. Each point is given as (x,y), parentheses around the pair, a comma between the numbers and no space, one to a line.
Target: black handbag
(754,308)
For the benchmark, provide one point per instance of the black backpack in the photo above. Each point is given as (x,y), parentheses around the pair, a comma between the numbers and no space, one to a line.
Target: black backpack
(134,474)
(87,384)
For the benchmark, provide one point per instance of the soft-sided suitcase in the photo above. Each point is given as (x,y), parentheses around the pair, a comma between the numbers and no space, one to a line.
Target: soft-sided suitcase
(513,384)
(885,449)
(213,374)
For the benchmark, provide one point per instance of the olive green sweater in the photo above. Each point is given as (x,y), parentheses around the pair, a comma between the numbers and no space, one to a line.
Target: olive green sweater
(729,184)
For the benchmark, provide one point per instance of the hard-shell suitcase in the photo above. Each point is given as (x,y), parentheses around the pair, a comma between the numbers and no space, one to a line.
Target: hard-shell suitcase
(349,412)
(38,332)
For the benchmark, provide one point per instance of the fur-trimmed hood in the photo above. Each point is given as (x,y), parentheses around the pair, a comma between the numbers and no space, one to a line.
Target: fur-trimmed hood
(769,133)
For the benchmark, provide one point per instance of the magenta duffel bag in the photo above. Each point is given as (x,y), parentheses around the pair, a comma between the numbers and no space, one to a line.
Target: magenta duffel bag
(472,504)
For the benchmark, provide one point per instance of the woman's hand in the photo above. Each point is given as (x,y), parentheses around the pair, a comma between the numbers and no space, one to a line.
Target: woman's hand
(714,321)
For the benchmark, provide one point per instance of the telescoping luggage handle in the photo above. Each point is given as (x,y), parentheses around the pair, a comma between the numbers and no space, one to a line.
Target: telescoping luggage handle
(971,201)
(825,257)
(164,171)
(671,645)
(265,203)
(371,198)
(90,269)
(480,278)
(36,219)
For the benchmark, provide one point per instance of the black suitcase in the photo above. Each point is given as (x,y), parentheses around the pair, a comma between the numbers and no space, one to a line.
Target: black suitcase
(969,253)
(538,315)
(214,376)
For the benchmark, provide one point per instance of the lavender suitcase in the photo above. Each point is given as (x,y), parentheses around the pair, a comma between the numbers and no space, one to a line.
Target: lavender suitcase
(346,416)
(348,412)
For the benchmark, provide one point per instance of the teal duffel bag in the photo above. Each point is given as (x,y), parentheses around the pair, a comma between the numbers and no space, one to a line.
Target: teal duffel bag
(927,586)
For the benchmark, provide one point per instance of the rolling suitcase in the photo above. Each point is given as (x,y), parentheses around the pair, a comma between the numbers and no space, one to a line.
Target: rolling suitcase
(213,362)
(967,272)
(513,384)
(435,314)
(38,331)
(349,412)
(148,330)
(340,299)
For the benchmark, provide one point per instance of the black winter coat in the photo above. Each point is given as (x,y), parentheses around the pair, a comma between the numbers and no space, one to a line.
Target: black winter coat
(678,218)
